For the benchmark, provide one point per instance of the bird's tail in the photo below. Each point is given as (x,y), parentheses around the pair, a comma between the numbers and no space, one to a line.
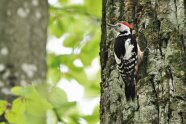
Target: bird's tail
(130,91)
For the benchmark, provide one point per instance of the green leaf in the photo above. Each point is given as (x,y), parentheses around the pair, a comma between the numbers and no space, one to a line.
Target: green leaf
(54,75)
(81,76)
(30,108)
(2,123)
(57,97)
(91,49)
(53,61)
(66,109)
(94,7)
(56,27)
(51,117)
(20,91)
(92,90)
(3,106)
(73,40)
(17,112)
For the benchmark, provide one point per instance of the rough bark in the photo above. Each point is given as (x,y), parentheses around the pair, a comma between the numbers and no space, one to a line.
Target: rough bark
(23,33)
(161,85)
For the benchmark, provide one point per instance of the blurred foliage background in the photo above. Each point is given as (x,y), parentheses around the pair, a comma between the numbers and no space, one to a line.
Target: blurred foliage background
(77,26)
(73,63)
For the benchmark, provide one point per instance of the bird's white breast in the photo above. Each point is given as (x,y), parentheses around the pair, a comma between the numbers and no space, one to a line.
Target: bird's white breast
(128,49)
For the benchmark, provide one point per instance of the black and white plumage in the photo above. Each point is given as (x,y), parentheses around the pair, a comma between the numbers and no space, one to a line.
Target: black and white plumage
(127,55)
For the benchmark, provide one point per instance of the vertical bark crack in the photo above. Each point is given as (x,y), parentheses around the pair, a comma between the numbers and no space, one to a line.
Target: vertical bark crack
(156,101)
(121,10)
(176,13)
(184,3)
(171,90)
(182,43)
(181,117)
(171,82)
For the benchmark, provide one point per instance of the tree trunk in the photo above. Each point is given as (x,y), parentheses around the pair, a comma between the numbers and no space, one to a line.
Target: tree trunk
(23,34)
(161,85)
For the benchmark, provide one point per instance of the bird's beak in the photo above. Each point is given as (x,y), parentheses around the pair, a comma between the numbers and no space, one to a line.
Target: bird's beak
(111,25)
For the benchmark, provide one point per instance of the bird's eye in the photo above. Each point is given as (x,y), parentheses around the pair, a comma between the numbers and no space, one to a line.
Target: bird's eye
(119,25)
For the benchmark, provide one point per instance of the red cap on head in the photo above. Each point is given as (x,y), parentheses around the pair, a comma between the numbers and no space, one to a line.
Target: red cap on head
(127,24)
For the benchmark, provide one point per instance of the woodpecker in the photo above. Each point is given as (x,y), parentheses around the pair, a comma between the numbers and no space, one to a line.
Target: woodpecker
(128,56)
